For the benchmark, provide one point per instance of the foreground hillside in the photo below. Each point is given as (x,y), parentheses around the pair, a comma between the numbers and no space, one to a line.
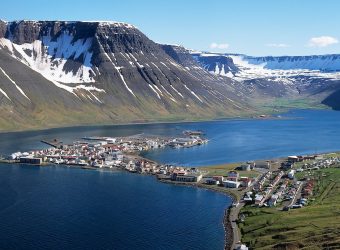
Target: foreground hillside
(316,226)
(65,73)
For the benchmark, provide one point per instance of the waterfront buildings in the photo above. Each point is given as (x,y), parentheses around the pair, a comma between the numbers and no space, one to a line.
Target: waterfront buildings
(231,184)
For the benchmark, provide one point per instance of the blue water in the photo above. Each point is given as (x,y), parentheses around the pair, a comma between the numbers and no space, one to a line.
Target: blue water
(67,208)
(55,207)
(297,132)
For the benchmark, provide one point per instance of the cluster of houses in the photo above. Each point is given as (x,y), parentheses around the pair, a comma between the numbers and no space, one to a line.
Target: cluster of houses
(232,180)
(102,152)
(307,189)
(274,187)
(95,154)
(266,186)
(320,162)
(314,162)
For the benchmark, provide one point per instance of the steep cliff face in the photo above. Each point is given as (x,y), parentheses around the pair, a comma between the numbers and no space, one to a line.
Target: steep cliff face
(217,64)
(59,73)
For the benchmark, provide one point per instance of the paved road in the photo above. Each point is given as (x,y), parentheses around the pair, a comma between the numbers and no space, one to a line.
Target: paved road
(297,195)
(234,212)
(271,192)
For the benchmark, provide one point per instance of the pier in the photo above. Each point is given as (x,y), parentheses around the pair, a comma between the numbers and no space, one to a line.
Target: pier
(55,143)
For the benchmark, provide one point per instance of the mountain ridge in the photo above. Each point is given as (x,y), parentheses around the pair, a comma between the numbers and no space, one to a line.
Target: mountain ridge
(101,72)
(314,77)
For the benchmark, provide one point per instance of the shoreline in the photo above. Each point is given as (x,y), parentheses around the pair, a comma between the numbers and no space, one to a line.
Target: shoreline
(230,213)
(226,221)
(228,230)
(252,116)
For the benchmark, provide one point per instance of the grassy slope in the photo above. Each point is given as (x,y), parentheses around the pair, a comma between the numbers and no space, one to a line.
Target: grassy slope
(284,104)
(316,226)
(223,170)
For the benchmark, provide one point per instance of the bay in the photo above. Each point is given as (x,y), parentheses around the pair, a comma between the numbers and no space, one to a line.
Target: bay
(58,207)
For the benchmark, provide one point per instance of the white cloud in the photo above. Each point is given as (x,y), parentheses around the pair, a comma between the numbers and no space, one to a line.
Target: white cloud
(219,46)
(322,41)
(277,45)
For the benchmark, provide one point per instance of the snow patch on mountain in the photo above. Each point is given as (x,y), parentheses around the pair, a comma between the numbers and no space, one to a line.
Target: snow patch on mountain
(112,23)
(16,85)
(119,73)
(154,90)
(5,94)
(220,70)
(277,69)
(49,57)
(251,68)
(324,63)
(193,93)
(179,93)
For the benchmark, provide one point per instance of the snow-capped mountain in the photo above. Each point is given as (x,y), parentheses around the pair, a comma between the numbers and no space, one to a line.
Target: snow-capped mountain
(55,73)
(243,67)
(315,77)
(58,72)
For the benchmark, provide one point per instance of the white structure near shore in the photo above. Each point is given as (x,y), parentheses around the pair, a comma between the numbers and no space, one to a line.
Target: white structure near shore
(231,184)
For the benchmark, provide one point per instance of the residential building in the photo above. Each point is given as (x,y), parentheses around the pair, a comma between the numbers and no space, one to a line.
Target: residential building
(262,164)
(233,176)
(30,160)
(231,184)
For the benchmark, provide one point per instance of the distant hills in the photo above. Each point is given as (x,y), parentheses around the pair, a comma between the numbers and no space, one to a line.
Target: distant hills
(58,73)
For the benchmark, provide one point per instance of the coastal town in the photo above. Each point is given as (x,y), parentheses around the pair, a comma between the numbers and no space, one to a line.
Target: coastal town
(111,153)
(285,183)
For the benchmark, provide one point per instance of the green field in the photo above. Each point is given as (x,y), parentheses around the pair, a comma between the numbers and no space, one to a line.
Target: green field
(284,104)
(223,170)
(316,226)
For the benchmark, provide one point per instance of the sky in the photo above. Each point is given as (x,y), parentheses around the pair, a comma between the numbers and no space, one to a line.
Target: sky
(252,27)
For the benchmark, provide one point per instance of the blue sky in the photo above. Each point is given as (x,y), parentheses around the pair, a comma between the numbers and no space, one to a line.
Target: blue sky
(263,27)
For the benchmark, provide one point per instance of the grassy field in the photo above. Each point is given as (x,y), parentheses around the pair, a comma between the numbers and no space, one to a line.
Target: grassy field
(282,104)
(316,226)
(223,170)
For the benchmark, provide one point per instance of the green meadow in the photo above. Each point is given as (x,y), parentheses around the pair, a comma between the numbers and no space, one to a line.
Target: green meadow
(315,226)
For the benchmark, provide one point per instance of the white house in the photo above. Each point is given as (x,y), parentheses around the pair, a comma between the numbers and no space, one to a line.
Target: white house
(291,174)
(231,184)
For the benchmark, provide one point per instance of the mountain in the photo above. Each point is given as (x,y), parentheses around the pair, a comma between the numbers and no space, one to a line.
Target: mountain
(306,77)
(58,73)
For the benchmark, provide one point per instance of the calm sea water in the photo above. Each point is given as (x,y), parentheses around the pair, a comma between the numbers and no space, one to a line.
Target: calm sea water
(297,132)
(67,208)
(56,207)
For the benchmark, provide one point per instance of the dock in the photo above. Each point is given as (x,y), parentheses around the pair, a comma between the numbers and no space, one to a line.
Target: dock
(55,143)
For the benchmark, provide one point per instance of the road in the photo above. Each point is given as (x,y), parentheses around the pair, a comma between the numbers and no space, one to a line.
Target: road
(271,191)
(234,212)
(297,195)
